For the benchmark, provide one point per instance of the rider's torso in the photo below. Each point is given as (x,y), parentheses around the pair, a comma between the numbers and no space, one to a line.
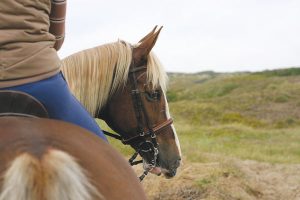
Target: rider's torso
(26,46)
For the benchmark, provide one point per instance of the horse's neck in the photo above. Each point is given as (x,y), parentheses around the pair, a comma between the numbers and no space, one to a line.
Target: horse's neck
(95,74)
(91,89)
(91,81)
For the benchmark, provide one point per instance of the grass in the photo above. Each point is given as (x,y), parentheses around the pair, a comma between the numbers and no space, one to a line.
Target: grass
(249,116)
(281,72)
(254,100)
(267,145)
(126,150)
(222,119)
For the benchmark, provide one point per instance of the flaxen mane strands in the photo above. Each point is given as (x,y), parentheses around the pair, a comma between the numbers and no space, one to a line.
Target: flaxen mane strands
(95,74)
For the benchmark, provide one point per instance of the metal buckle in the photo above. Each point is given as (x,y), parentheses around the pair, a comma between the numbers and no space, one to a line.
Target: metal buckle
(136,91)
(156,152)
(142,134)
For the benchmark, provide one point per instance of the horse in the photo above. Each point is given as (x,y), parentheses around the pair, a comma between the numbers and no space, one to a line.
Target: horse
(47,159)
(125,85)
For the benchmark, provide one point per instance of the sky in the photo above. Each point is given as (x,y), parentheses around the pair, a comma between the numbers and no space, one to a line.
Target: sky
(197,35)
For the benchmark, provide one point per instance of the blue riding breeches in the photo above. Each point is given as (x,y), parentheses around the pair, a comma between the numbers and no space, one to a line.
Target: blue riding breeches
(55,95)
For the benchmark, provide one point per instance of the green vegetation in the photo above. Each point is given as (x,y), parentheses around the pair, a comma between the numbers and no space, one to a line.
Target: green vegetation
(281,72)
(246,115)
(275,146)
(125,149)
(254,100)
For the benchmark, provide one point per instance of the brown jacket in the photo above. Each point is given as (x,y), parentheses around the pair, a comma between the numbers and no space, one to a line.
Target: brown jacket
(27,52)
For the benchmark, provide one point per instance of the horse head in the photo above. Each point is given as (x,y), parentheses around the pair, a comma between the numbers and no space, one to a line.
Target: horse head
(139,111)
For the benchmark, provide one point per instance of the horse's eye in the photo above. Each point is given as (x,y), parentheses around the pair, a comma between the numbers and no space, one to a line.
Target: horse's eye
(156,94)
(153,95)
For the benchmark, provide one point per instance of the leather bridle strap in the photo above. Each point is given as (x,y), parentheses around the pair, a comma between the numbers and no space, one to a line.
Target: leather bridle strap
(136,69)
(152,131)
(155,129)
(142,119)
(163,125)
(138,105)
(113,135)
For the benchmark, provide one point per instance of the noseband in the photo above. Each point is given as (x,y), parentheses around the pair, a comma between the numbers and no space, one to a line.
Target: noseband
(143,122)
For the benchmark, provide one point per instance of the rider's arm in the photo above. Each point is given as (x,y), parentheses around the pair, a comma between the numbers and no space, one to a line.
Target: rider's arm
(57,21)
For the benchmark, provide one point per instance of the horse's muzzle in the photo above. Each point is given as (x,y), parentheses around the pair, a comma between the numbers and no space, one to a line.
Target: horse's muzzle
(170,170)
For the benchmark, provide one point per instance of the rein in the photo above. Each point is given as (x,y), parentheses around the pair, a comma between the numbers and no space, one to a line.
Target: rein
(145,146)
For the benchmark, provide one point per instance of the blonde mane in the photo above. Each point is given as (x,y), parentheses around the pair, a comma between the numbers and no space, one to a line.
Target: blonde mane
(95,74)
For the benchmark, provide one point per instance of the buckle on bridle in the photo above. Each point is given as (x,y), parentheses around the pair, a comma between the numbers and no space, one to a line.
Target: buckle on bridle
(145,147)
(135,91)
(142,133)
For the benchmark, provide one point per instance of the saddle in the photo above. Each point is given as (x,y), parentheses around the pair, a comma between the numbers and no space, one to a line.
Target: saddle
(14,103)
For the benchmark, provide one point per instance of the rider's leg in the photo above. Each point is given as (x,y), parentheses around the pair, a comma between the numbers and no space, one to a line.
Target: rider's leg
(55,95)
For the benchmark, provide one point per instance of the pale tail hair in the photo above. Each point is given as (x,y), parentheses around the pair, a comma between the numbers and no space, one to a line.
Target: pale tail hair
(56,176)
(95,74)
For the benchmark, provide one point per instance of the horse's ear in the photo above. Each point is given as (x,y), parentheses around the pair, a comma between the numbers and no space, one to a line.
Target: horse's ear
(142,50)
(149,34)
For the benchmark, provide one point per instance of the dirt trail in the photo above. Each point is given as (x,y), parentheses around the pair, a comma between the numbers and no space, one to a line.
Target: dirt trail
(227,179)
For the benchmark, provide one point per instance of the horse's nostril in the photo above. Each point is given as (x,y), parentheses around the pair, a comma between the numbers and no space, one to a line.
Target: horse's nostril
(177,163)
(170,174)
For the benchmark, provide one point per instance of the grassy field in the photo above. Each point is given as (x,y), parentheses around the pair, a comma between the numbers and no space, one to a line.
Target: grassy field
(250,116)
(225,120)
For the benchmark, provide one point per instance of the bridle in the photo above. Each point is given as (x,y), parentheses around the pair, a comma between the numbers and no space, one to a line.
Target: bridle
(145,147)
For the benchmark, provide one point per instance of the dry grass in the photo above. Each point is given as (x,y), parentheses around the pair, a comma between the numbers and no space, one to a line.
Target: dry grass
(226,180)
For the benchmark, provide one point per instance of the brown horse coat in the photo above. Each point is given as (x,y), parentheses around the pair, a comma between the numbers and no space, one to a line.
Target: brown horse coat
(107,170)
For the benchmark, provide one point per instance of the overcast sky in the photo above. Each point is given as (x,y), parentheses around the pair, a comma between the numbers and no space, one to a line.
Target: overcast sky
(198,35)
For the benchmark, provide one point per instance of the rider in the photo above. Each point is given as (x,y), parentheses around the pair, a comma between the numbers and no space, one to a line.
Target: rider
(31,33)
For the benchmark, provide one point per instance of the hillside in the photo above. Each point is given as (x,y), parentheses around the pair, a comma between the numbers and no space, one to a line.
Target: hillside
(245,115)
(239,134)
(267,99)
